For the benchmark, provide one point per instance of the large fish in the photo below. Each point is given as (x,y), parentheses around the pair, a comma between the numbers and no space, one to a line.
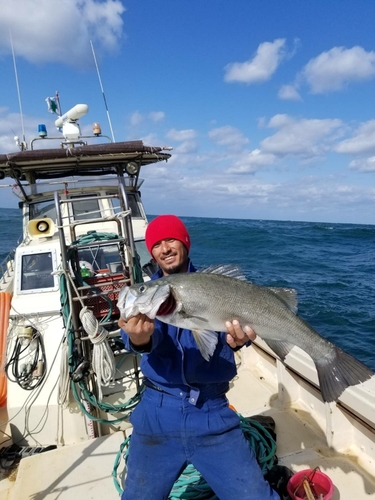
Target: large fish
(204,301)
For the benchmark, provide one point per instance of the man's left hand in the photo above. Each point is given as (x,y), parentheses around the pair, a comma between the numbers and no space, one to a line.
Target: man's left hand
(236,336)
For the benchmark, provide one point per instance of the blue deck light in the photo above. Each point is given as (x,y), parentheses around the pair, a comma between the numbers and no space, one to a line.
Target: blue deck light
(42,130)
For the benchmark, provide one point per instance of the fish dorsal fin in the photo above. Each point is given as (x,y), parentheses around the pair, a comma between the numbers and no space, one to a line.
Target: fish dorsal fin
(288,296)
(225,270)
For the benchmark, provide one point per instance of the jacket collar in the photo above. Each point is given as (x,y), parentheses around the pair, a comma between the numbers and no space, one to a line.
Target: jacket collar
(159,273)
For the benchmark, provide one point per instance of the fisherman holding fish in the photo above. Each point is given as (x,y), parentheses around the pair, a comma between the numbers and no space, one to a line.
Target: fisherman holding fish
(183,416)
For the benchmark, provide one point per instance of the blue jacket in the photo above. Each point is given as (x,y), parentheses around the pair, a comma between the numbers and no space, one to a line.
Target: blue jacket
(175,365)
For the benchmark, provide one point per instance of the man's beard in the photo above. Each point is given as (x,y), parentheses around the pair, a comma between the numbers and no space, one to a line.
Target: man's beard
(175,269)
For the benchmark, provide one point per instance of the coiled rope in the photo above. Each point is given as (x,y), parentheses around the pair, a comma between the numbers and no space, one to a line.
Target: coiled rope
(191,484)
(103,361)
(70,361)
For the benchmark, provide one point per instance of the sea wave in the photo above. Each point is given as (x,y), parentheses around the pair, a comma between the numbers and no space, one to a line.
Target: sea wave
(331,266)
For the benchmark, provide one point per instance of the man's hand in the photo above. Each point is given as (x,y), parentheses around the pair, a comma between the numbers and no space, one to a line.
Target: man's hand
(236,337)
(139,328)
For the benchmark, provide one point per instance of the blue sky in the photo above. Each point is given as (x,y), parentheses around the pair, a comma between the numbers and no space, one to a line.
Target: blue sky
(268,105)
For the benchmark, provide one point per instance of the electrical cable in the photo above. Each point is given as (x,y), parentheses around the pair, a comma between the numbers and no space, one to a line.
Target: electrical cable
(30,349)
(34,394)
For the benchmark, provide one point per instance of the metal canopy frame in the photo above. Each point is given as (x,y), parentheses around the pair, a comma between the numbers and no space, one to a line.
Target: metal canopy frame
(97,159)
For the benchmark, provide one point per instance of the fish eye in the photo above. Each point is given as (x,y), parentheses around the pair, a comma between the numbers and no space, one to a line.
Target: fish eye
(142,288)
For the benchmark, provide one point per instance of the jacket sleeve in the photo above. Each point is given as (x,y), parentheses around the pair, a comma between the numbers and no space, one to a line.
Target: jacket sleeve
(155,339)
(247,344)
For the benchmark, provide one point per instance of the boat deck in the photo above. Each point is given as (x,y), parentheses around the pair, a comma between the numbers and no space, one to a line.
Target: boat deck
(301,444)
(84,470)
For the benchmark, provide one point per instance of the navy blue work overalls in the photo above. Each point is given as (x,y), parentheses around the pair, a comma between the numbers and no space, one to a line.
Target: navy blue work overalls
(183,417)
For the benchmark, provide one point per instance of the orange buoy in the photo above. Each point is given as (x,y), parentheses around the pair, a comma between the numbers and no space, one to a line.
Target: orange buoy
(5,300)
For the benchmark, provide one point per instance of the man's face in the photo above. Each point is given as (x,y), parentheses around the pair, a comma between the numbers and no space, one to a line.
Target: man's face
(171,255)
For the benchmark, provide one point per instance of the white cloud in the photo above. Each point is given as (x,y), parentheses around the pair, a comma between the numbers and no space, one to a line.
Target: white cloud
(157,116)
(11,126)
(136,119)
(214,193)
(363,165)
(181,135)
(303,137)
(362,142)
(289,93)
(150,139)
(46,31)
(261,67)
(228,136)
(332,70)
(251,162)
(187,148)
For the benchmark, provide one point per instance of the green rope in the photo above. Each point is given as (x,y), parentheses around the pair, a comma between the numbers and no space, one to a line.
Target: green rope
(191,484)
(137,269)
(88,396)
(80,389)
(261,442)
(92,236)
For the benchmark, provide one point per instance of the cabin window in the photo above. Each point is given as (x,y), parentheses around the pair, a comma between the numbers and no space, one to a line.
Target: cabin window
(42,210)
(101,256)
(86,209)
(35,272)
(133,205)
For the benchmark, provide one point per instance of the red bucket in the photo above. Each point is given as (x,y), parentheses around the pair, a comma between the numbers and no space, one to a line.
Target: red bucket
(320,484)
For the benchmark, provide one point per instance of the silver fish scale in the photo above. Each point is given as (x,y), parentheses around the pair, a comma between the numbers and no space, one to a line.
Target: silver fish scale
(220,298)
(206,301)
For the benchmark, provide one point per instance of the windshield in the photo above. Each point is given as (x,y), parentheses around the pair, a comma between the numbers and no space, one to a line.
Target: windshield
(42,210)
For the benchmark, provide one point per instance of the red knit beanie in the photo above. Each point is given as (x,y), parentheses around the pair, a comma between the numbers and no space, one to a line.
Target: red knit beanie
(164,227)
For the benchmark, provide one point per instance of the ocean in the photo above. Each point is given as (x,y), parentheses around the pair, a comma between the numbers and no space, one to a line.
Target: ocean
(332,267)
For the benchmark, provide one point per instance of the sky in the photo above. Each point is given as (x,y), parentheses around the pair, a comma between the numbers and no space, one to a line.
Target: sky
(269,105)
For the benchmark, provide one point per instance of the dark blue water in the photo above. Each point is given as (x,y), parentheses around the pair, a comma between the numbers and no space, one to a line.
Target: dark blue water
(332,267)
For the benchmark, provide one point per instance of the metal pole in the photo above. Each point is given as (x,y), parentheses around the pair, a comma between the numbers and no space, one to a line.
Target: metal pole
(101,86)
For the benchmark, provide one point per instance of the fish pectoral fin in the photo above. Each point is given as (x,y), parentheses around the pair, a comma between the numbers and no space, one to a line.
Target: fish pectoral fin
(280,348)
(198,319)
(206,341)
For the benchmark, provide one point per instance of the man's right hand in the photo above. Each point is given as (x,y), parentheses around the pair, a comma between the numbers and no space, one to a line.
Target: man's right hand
(139,328)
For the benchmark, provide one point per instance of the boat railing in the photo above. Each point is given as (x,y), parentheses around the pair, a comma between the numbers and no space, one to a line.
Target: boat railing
(100,290)
(7,265)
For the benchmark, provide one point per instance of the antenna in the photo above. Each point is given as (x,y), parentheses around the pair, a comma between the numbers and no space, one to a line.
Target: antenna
(23,144)
(101,86)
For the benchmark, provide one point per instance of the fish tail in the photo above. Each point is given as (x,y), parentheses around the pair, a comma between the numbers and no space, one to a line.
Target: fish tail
(338,371)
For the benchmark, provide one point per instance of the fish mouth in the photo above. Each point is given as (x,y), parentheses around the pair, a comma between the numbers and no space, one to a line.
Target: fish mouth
(167,307)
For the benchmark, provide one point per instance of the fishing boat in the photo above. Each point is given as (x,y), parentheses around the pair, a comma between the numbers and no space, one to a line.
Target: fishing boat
(68,386)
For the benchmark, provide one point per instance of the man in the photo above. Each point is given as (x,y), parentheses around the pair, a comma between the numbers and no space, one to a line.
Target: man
(183,416)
